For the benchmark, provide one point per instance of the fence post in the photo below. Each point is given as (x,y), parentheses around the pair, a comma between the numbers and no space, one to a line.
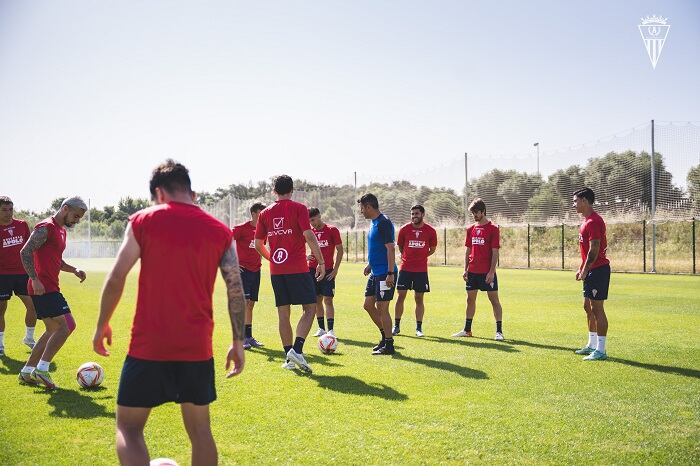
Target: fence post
(356,244)
(653,202)
(644,245)
(363,246)
(562,246)
(347,246)
(445,241)
(693,245)
(528,245)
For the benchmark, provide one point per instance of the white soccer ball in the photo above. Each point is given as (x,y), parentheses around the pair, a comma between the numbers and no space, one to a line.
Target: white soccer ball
(163,462)
(327,344)
(90,375)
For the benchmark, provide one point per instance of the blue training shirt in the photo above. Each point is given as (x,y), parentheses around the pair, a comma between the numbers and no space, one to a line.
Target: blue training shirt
(381,232)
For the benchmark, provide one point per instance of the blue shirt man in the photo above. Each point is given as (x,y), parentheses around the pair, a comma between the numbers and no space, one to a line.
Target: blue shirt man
(381,233)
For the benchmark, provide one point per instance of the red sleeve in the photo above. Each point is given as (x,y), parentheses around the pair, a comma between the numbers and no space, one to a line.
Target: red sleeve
(136,226)
(495,237)
(468,240)
(433,238)
(303,218)
(594,230)
(234,233)
(229,240)
(335,235)
(260,228)
(402,237)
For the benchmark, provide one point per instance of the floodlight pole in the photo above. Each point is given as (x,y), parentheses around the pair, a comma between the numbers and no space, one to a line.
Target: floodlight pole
(89,231)
(653,203)
(466,185)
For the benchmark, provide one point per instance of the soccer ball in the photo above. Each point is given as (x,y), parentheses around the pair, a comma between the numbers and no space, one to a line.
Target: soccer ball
(327,344)
(90,375)
(163,462)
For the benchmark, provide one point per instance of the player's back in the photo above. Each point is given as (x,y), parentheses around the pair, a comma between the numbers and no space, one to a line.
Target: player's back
(181,248)
(283,224)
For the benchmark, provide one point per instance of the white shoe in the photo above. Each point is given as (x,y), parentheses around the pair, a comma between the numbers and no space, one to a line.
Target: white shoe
(419,333)
(299,360)
(331,333)
(289,365)
(320,332)
(29,342)
(462,333)
(499,336)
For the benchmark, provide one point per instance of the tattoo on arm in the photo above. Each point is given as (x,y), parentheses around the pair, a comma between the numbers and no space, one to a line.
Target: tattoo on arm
(593,252)
(236,300)
(35,241)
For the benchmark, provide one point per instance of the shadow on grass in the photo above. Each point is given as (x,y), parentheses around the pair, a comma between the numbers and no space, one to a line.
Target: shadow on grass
(682,371)
(354,386)
(277,355)
(74,404)
(431,363)
(504,346)
(13,366)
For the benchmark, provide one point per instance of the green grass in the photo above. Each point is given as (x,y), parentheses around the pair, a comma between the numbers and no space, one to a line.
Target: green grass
(528,400)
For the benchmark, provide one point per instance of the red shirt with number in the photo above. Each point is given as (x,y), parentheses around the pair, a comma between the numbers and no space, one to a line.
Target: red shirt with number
(592,228)
(181,250)
(248,256)
(48,258)
(283,224)
(482,239)
(415,244)
(328,238)
(13,237)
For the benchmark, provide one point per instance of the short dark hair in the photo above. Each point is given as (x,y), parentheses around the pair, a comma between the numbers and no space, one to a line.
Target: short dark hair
(419,207)
(172,177)
(283,184)
(369,199)
(313,211)
(6,200)
(585,193)
(257,207)
(477,205)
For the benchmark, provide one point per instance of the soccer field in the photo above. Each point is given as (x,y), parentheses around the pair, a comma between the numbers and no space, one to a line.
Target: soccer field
(527,400)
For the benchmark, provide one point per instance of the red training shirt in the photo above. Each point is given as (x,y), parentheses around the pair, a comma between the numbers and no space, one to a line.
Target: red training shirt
(248,256)
(593,227)
(283,224)
(181,249)
(49,257)
(328,238)
(415,244)
(482,239)
(13,237)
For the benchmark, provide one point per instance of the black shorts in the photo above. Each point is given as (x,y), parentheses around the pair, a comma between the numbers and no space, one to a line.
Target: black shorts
(293,288)
(374,288)
(477,281)
(416,281)
(325,287)
(50,305)
(146,384)
(251,284)
(16,284)
(596,283)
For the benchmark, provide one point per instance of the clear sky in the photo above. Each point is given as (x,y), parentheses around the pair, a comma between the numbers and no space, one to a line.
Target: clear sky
(94,94)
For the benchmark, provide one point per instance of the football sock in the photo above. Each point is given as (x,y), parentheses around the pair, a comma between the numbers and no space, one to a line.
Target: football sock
(299,345)
(499,326)
(2,338)
(286,350)
(249,330)
(601,344)
(468,325)
(383,336)
(30,333)
(330,323)
(27,369)
(397,322)
(419,325)
(320,323)
(43,365)
(592,339)
(389,342)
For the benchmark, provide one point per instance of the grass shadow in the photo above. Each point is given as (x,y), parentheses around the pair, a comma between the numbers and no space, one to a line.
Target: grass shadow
(445,366)
(275,355)
(682,371)
(73,404)
(503,346)
(354,386)
(13,366)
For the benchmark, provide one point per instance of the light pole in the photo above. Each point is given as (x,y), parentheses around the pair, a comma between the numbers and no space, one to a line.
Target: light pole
(537,144)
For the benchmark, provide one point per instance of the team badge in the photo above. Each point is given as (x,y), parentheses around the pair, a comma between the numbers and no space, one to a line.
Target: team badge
(654,30)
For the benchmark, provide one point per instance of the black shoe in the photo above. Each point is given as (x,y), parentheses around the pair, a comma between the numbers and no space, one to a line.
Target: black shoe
(379,345)
(387,349)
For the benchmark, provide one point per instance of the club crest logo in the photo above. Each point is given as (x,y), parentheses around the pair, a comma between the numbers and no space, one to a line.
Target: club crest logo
(654,30)
(11,231)
(417,232)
